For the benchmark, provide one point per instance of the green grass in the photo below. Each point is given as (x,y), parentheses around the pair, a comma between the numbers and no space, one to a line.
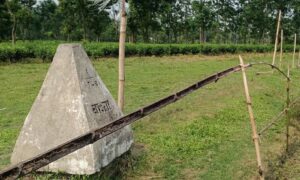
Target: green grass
(206,135)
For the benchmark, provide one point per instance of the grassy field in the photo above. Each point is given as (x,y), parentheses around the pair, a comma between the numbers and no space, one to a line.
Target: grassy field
(207,135)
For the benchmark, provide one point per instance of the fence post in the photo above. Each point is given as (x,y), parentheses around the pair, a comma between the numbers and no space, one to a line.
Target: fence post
(281,48)
(276,38)
(252,121)
(295,43)
(288,109)
(122,40)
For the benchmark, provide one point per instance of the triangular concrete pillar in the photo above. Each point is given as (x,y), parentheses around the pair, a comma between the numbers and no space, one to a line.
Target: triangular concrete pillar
(72,101)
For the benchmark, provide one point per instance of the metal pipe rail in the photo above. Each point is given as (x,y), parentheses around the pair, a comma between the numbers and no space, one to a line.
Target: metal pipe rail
(60,151)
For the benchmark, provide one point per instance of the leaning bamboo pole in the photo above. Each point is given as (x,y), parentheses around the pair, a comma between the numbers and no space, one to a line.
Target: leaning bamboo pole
(281,48)
(295,43)
(252,121)
(276,38)
(288,109)
(122,56)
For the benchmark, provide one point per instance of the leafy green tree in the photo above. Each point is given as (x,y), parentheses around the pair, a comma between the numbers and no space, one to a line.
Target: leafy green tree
(204,17)
(68,10)
(227,19)
(159,21)
(169,19)
(255,17)
(186,20)
(48,20)
(133,22)
(296,17)
(98,22)
(146,14)
(26,19)
(4,21)
(20,14)
(14,8)
(82,19)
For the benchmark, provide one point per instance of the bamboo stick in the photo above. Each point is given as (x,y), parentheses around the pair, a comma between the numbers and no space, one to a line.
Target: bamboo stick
(295,42)
(252,121)
(281,49)
(122,56)
(275,45)
(273,121)
(276,38)
(288,109)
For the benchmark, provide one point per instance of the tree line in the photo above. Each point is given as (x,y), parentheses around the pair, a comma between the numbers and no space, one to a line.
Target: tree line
(159,21)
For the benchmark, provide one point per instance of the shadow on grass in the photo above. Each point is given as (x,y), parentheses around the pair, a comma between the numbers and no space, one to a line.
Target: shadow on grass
(277,167)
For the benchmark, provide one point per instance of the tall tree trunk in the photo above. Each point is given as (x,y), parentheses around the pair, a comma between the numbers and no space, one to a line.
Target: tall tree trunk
(132,38)
(84,33)
(202,35)
(13,31)
(146,34)
(122,56)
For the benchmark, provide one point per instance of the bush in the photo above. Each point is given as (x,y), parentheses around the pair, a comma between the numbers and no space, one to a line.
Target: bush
(45,50)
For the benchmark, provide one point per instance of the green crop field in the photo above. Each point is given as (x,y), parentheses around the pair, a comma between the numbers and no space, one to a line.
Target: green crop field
(206,135)
(45,49)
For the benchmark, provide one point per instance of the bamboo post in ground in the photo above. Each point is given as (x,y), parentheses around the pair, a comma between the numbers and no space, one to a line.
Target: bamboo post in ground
(288,109)
(281,48)
(276,38)
(252,121)
(295,43)
(122,56)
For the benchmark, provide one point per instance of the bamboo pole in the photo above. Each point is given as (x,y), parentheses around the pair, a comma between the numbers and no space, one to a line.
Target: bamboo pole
(275,45)
(281,48)
(273,121)
(288,109)
(295,43)
(276,38)
(252,121)
(122,56)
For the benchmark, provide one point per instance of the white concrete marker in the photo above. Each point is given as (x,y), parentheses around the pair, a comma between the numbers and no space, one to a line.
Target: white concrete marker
(72,101)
